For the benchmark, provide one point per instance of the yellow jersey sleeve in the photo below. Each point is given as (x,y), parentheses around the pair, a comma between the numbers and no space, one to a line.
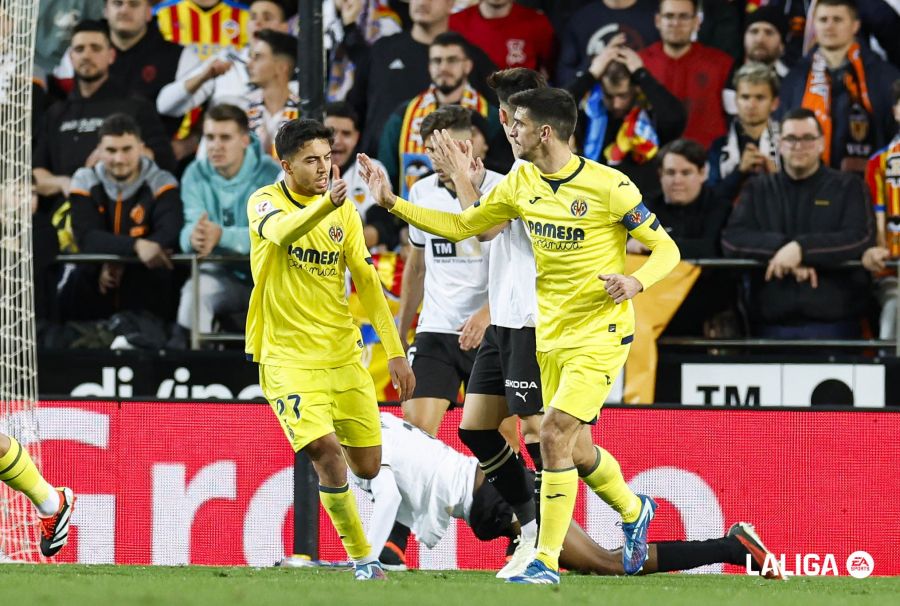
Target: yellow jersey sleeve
(493,209)
(368,284)
(627,207)
(273,224)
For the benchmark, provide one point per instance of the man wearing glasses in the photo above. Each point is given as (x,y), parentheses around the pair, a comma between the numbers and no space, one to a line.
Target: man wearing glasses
(401,150)
(694,73)
(804,221)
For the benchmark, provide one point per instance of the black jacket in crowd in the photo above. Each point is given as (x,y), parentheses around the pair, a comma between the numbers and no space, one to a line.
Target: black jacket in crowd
(146,67)
(696,227)
(666,111)
(107,218)
(69,131)
(830,216)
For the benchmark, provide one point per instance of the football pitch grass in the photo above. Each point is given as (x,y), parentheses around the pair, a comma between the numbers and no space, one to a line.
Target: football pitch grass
(76,585)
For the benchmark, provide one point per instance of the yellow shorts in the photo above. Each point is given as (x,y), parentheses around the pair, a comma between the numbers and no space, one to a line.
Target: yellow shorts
(577,381)
(312,403)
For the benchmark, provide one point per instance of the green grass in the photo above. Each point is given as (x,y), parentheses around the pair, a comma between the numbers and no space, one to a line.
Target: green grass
(74,585)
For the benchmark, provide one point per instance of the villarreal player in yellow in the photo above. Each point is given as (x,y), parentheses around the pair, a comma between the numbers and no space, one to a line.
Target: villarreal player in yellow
(303,238)
(579,214)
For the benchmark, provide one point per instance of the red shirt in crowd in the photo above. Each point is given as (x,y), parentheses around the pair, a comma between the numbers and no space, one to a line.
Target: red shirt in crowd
(524,38)
(697,78)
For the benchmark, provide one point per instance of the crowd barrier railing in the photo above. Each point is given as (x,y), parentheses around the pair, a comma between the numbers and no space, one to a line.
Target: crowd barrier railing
(198,338)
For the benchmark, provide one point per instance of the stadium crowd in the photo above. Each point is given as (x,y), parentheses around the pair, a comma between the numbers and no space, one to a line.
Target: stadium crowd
(757,129)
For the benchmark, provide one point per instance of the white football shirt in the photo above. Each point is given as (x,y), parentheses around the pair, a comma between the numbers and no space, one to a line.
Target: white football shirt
(436,483)
(456,274)
(511,276)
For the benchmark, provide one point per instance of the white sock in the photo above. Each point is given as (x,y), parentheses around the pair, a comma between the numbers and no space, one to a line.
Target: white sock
(49,506)
(530,530)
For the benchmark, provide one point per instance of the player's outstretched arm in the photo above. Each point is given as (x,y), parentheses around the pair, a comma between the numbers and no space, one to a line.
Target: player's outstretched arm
(457,159)
(283,228)
(455,227)
(371,294)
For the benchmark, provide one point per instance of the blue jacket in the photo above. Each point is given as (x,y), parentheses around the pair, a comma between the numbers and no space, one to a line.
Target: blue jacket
(224,200)
(879,76)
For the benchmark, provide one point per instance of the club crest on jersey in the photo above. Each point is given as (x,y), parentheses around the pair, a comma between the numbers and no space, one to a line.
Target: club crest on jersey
(579,208)
(336,233)
(634,216)
(231,28)
(264,208)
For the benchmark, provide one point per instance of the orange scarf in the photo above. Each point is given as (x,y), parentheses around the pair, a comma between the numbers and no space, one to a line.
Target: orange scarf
(424,104)
(817,96)
(414,163)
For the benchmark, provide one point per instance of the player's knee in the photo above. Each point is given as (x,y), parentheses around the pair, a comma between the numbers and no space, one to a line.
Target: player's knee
(366,470)
(550,434)
(484,443)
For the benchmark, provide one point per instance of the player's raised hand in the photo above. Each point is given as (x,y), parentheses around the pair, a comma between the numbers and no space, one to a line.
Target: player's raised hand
(402,377)
(477,172)
(377,181)
(450,156)
(338,186)
(620,287)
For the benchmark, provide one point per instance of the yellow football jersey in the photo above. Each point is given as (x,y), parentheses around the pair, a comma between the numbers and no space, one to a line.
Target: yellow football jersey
(578,219)
(207,30)
(300,248)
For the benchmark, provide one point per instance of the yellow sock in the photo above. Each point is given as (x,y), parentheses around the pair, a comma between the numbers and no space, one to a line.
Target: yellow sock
(341,507)
(559,489)
(608,483)
(19,472)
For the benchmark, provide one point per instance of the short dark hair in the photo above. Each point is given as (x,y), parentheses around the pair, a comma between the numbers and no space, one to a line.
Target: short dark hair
(116,125)
(342,109)
(552,106)
(286,11)
(690,150)
(451,38)
(282,45)
(696,4)
(895,92)
(850,4)
(92,25)
(616,72)
(451,117)
(802,113)
(294,134)
(508,82)
(225,113)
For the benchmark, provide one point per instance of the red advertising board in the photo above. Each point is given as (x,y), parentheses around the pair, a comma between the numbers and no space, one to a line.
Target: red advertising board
(210,483)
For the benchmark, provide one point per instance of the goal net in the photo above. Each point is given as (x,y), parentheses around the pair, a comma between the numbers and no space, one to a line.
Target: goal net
(18,365)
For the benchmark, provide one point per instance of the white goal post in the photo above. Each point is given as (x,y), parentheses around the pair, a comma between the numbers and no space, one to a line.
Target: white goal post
(19,538)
